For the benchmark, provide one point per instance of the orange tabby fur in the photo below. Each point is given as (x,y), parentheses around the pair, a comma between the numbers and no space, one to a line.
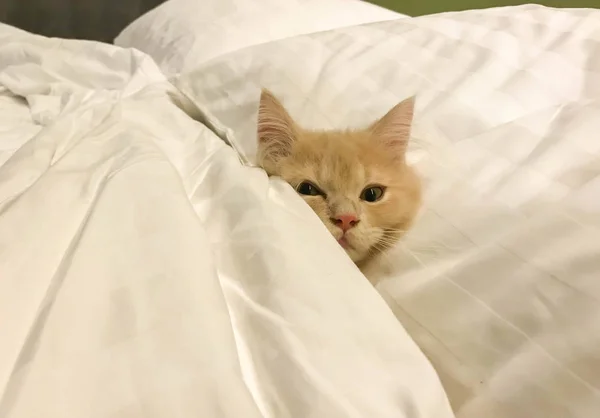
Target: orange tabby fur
(342,164)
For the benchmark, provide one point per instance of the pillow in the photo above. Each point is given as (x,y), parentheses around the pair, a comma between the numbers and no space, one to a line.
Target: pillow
(498,280)
(181,34)
(8,29)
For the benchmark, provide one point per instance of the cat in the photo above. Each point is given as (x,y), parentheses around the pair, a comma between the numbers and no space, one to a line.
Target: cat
(356,181)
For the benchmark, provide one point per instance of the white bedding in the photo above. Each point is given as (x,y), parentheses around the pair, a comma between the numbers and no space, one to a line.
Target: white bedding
(145,272)
(499,282)
(182,34)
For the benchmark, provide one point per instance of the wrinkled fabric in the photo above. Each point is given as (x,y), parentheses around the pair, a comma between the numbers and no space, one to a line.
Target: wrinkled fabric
(146,272)
(499,281)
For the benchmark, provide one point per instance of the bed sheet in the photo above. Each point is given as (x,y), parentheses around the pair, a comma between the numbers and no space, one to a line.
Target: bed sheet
(145,272)
(499,281)
(181,34)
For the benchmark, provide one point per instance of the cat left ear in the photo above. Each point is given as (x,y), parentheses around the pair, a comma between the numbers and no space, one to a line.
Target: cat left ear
(394,128)
(276,129)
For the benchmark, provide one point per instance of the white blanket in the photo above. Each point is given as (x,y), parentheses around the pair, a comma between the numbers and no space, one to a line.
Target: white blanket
(145,272)
(499,282)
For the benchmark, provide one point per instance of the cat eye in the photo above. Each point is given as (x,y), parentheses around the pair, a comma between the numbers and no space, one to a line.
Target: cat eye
(372,193)
(309,189)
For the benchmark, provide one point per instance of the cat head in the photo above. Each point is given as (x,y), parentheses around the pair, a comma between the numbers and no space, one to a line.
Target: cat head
(357,181)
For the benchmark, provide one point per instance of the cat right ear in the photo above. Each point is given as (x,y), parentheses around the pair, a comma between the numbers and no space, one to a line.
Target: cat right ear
(276,129)
(394,128)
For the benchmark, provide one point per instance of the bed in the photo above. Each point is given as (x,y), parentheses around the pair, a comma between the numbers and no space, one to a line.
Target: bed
(149,269)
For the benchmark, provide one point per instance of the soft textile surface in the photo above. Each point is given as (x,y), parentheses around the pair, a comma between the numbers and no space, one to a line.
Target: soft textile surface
(145,272)
(499,282)
(181,34)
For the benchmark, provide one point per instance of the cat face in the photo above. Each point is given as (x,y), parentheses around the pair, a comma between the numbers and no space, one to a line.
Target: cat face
(357,182)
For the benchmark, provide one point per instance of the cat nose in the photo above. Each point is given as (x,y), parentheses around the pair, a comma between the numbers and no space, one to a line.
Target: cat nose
(345,221)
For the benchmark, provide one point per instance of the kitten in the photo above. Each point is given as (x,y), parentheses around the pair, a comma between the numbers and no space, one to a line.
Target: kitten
(357,181)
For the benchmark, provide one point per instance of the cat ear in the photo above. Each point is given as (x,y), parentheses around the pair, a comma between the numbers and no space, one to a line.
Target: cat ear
(394,128)
(276,129)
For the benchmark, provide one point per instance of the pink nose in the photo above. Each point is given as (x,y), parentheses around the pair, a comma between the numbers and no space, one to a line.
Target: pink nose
(345,221)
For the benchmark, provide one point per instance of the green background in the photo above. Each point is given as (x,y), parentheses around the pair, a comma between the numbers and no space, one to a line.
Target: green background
(422,7)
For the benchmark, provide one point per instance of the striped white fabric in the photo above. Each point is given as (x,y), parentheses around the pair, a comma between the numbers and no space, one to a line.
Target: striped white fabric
(499,282)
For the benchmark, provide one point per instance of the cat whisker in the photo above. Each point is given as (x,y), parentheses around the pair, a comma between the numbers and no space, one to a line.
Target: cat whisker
(388,241)
(382,246)
(429,248)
